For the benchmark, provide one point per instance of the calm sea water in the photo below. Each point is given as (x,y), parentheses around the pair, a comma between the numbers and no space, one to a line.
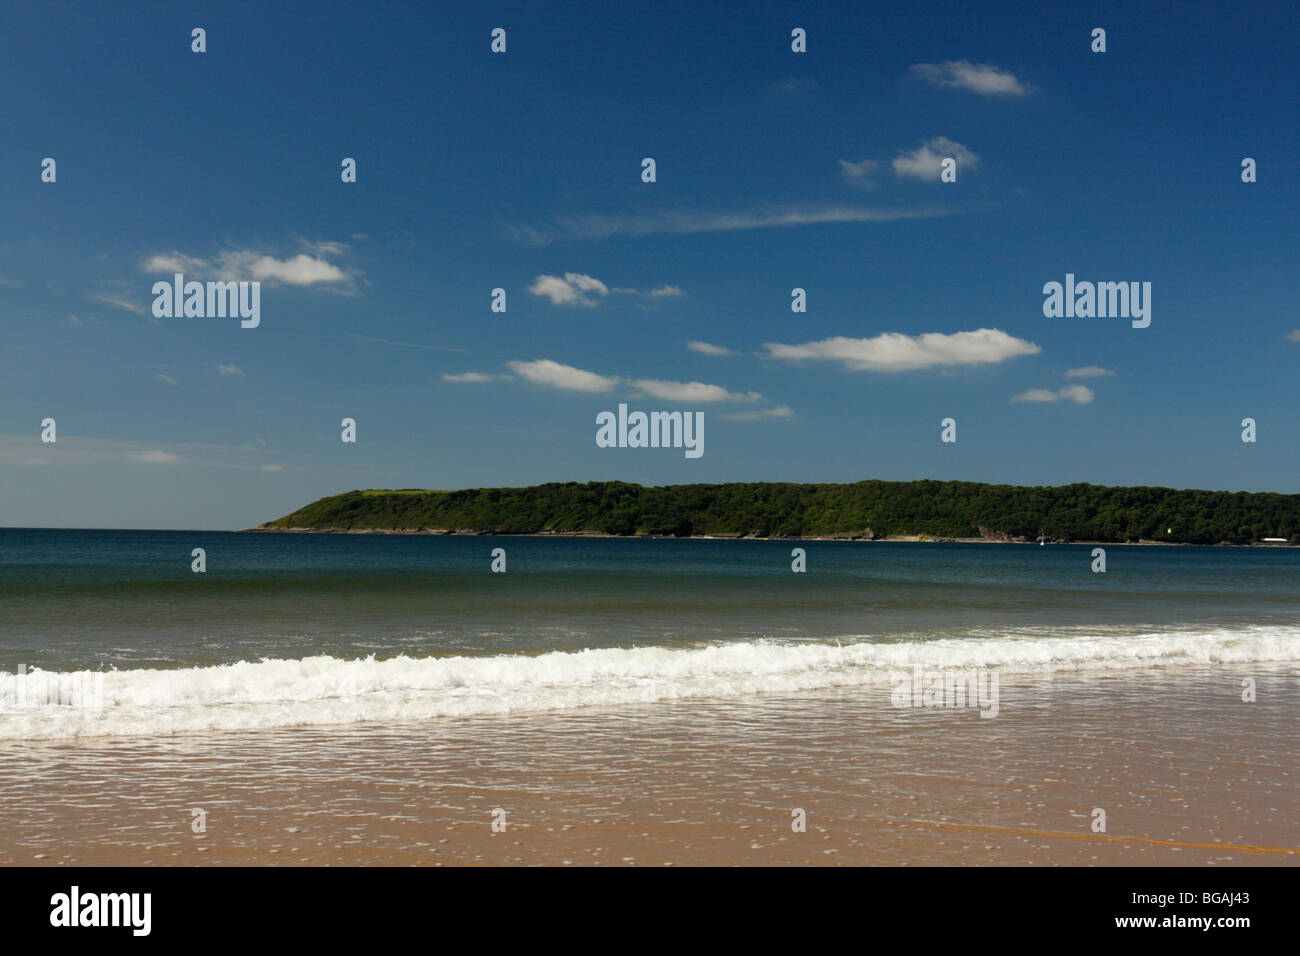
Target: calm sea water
(287,628)
(86,599)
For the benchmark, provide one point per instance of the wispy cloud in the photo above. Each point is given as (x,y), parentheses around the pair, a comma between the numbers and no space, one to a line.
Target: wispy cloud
(155,457)
(239,265)
(1089,371)
(579,289)
(230,370)
(796,86)
(1071,393)
(926,161)
(99,453)
(896,352)
(780,411)
(271,467)
(325,248)
(555,375)
(691,391)
(860,174)
(118,302)
(650,298)
(405,345)
(173,262)
(666,291)
(599,226)
(1293,336)
(704,348)
(466,377)
(982,78)
(165,379)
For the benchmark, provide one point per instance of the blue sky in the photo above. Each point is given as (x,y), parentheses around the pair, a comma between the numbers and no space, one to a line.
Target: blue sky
(775,170)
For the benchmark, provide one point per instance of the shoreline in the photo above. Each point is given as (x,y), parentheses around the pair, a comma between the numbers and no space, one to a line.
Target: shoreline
(689,782)
(847,538)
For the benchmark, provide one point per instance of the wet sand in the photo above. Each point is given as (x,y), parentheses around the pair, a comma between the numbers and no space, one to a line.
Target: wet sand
(1187,773)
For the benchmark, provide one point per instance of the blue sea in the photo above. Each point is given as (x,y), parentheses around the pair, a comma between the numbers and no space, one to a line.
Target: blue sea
(286,630)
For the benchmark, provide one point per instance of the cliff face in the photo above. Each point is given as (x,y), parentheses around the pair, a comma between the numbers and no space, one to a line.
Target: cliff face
(931,509)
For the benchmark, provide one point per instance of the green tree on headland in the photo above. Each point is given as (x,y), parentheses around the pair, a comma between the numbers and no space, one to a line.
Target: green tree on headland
(952,509)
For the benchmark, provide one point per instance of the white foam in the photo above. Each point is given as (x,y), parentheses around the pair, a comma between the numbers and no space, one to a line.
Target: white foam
(326,690)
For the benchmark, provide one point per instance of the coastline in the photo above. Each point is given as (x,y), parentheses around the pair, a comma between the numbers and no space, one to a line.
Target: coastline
(851,538)
(919,511)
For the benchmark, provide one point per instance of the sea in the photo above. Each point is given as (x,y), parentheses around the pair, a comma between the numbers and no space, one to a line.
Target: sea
(114,633)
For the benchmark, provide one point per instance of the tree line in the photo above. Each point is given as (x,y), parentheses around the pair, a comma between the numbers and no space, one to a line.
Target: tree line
(956,509)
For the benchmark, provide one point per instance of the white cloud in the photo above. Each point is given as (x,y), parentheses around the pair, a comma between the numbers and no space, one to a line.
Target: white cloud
(1071,393)
(896,352)
(663,292)
(859,173)
(466,377)
(926,161)
(555,375)
(705,348)
(546,372)
(230,370)
(1294,336)
(781,411)
(271,467)
(165,379)
(326,248)
(1089,371)
(574,289)
(173,262)
(983,78)
(241,265)
(1037,395)
(156,457)
(692,391)
(119,303)
(302,269)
